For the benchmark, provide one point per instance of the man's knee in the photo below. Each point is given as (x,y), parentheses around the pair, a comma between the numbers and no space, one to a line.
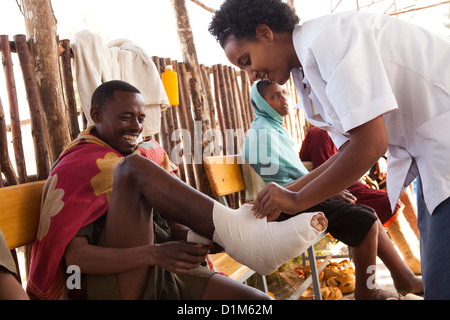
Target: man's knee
(126,171)
(135,170)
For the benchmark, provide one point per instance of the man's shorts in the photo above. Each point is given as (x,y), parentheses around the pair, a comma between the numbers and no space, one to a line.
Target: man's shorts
(162,284)
(347,222)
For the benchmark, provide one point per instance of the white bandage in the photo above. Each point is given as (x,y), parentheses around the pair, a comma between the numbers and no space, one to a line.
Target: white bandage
(196,238)
(262,246)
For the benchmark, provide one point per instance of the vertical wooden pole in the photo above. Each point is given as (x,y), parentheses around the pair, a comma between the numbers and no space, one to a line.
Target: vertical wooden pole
(187,123)
(239,128)
(240,98)
(201,110)
(176,116)
(214,142)
(38,131)
(232,111)
(225,109)
(219,111)
(5,161)
(41,32)
(165,122)
(246,87)
(207,86)
(13,109)
(69,93)
(237,93)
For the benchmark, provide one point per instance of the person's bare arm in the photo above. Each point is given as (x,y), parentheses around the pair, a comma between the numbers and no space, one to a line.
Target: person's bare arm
(367,144)
(298,184)
(10,288)
(174,256)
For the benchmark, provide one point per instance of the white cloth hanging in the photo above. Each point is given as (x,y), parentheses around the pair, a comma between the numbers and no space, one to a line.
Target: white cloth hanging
(96,62)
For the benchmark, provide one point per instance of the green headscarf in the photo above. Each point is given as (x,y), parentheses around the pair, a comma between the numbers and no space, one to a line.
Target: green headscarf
(268,147)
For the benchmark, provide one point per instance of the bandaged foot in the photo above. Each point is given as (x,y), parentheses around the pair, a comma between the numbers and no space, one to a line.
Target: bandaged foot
(262,246)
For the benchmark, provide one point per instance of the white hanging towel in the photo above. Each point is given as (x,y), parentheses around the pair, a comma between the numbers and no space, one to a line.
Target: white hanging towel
(96,62)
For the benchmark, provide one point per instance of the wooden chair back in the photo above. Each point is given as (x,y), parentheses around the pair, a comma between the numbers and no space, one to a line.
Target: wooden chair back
(19,212)
(225,177)
(224,174)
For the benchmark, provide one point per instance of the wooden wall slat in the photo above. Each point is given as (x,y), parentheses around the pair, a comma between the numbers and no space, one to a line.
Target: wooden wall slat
(38,132)
(13,109)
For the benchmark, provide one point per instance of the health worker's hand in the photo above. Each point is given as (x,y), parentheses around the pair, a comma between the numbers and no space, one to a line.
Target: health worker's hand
(272,200)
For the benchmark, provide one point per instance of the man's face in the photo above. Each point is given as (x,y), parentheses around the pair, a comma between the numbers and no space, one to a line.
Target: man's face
(275,95)
(120,122)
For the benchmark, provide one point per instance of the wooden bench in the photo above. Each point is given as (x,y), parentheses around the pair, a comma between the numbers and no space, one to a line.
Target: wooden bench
(225,176)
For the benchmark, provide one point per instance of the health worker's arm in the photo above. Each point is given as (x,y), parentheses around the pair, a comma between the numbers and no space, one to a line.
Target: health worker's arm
(367,144)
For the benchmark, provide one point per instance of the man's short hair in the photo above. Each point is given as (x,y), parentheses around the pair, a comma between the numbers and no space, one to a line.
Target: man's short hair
(105,92)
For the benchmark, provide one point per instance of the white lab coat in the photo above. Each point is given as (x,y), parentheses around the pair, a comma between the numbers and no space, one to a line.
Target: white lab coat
(357,66)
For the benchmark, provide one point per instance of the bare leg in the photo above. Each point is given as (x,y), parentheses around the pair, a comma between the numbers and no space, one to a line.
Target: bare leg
(174,199)
(378,243)
(222,288)
(404,279)
(10,288)
(364,257)
(129,223)
(237,231)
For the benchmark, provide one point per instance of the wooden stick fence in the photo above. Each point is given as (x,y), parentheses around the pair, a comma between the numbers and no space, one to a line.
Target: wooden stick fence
(227,98)
(38,133)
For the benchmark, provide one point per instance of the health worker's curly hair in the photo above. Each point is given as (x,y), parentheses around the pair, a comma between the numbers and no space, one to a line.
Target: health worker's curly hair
(241,17)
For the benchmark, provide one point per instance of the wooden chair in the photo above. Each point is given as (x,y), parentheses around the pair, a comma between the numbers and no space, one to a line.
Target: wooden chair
(225,176)
(19,216)
(19,212)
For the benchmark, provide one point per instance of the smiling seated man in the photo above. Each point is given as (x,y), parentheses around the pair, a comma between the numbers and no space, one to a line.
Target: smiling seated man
(106,207)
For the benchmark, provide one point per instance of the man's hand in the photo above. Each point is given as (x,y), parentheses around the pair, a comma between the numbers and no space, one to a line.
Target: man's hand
(178,256)
(174,256)
(180,232)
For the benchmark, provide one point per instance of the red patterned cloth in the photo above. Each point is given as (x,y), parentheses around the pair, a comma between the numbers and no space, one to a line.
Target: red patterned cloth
(76,193)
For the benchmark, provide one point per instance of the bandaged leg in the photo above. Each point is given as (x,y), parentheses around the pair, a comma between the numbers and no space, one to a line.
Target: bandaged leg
(262,246)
